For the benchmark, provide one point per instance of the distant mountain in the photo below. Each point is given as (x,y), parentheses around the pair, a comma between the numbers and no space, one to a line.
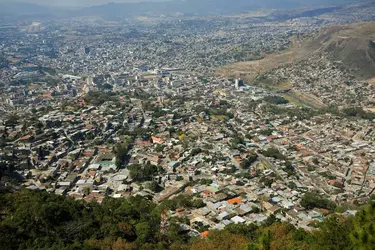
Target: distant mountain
(130,10)
(20,8)
(20,12)
(198,7)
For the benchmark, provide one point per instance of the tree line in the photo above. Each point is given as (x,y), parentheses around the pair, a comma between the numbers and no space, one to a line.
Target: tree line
(40,220)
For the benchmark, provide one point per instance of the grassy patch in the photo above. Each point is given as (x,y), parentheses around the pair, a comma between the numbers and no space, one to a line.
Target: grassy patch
(298,102)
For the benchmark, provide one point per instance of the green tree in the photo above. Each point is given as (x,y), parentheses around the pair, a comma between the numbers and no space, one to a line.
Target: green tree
(154,186)
(313,200)
(143,173)
(149,171)
(159,148)
(143,232)
(363,235)
(274,153)
(275,99)
(333,234)
(121,152)
(221,240)
(135,171)
(12,120)
(251,158)
(242,229)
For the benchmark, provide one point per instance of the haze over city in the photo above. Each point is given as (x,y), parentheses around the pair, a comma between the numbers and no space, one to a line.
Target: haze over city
(75,3)
(87,3)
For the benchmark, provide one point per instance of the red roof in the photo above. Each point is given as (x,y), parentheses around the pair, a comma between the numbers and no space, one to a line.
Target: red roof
(205,234)
(143,143)
(207,192)
(157,140)
(92,173)
(26,137)
(236,200)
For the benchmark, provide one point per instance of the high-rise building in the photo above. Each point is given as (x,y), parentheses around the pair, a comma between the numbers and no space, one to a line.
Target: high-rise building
(89,80)
(238,83)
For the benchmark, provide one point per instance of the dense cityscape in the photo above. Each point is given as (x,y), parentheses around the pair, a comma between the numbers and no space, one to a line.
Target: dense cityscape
(159,108)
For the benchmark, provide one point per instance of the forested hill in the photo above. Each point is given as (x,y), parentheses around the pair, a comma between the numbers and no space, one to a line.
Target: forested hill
(39,220)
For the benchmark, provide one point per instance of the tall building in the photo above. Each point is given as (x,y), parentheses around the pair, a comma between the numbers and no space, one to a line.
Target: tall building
(238,83)
(87,50)
(89,80)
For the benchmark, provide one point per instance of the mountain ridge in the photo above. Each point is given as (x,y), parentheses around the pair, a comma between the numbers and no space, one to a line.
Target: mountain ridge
(187,7)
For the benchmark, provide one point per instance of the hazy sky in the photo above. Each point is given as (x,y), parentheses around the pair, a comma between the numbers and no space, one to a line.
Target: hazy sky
(75,2)
(81,3)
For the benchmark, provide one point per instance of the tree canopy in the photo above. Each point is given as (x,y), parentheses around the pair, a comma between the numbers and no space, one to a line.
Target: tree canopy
(313,200)
(40,220)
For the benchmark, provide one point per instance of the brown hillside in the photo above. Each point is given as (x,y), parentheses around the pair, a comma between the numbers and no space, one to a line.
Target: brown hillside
(353,44)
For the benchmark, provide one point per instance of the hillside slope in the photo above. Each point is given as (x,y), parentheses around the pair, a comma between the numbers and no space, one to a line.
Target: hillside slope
(353,44)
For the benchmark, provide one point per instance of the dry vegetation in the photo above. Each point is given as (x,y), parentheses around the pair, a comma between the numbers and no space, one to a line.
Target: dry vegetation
(350,44)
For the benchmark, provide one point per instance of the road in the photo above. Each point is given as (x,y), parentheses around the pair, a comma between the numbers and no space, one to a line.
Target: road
(272,167)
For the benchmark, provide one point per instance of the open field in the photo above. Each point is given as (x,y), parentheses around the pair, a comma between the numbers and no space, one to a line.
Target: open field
(250,70)
(13,59)
(294,96)
(371,110)
(303,99)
